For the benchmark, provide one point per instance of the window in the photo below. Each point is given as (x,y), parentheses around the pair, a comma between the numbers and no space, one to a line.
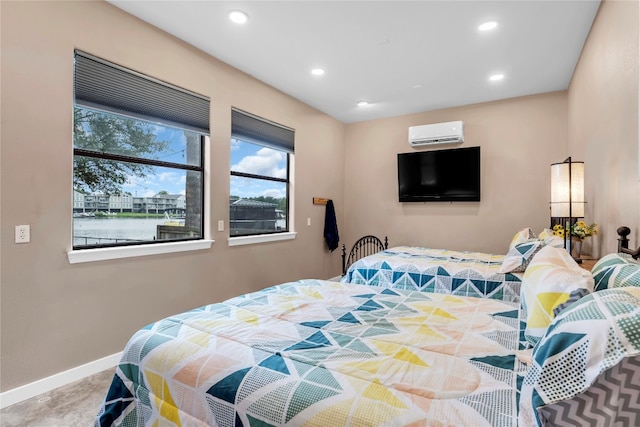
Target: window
(261,152)
(138,158)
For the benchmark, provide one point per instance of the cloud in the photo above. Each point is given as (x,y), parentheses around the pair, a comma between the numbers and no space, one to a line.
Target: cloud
(249,187)
(275,193)
(138,182)
(266,162)
(175,178)
(155,128)
(170,181)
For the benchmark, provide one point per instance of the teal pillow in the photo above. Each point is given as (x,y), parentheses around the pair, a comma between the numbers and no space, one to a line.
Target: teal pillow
(586,368)
(616,271)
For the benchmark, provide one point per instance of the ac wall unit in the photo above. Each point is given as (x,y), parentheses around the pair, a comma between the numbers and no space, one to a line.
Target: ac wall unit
(437,133)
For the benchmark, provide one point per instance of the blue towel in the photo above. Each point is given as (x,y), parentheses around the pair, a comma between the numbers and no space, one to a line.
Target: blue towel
(331,227)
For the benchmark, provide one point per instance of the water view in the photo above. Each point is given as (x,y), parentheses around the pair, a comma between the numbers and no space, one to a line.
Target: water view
(93,231)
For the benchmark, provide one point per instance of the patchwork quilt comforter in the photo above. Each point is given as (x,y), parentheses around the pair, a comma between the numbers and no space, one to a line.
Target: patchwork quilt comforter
(320,353)
(437,270)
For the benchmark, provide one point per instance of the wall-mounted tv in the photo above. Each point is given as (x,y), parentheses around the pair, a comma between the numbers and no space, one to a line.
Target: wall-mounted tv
(451,175)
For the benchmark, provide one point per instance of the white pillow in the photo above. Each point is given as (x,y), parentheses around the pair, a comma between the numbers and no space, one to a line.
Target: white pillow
(551,239)
(551,282)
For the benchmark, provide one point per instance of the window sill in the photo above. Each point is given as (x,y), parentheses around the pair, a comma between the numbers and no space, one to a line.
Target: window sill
(103,254)
(249,240)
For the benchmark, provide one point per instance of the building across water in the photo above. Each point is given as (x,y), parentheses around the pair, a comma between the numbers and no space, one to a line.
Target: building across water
(157,204)
(246,216)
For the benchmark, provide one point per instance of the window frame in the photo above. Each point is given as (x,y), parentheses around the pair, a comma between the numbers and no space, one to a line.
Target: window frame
(255,138)
(195,120)
(120,252)
(285,181)
(148,162)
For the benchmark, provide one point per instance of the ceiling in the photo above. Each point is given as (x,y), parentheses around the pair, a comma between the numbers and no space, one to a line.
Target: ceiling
(402,57)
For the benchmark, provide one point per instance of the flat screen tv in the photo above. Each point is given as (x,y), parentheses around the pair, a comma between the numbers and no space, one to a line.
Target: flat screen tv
(451,175)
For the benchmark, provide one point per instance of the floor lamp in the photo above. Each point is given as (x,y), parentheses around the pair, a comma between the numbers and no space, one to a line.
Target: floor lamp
(567,195)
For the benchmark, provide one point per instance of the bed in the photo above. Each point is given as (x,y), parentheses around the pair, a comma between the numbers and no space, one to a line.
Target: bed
(446,271)
(437,270)
(323,353)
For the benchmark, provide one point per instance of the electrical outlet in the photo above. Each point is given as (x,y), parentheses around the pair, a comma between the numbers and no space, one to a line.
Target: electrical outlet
(23,234)
(221,225)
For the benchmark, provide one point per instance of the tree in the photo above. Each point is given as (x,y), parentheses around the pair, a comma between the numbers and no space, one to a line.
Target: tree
(106,133)
(281,202)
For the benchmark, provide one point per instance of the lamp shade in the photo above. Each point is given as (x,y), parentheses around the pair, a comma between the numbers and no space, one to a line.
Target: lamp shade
(565,195)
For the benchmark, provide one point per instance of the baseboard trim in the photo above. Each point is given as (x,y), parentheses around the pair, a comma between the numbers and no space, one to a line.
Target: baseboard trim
(44,385)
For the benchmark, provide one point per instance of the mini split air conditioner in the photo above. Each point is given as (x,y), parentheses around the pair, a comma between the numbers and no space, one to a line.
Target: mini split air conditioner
(438,133)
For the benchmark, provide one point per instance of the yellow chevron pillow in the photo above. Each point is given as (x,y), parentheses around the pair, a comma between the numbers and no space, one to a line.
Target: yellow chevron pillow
(551,282)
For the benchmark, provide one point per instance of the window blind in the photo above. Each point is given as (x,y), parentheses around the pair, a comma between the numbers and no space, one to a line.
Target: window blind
(106,86)
(251,128)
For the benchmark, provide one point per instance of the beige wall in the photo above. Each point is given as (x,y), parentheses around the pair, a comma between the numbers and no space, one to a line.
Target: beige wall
(57,316)
(596,121)
(603,122)
(519,139)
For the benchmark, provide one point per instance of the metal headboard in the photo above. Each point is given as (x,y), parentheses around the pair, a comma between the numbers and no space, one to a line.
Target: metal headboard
(364,246)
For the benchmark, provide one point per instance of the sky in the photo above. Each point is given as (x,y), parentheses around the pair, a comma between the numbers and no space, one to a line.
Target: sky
(245,157)
(252,158)
(163,179)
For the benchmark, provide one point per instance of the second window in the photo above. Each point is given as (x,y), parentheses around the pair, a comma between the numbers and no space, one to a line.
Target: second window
(260,162)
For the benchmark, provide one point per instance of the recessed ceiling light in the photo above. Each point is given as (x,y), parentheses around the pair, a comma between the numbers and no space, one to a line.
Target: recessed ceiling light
(417,86)
(362,103)
(238,16)
(317,71)
(490,25)
(496,77)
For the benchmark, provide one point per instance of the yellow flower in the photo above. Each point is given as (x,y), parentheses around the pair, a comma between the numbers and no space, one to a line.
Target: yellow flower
(558,230)
(580,230)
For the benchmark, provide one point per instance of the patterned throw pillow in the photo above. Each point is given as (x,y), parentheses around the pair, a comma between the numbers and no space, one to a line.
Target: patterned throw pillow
(521,236)
(616,271)
(551,282)
(550,239)
(586,369)
(518,257)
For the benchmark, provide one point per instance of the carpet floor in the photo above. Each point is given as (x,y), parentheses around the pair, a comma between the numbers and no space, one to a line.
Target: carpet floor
(73,405)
